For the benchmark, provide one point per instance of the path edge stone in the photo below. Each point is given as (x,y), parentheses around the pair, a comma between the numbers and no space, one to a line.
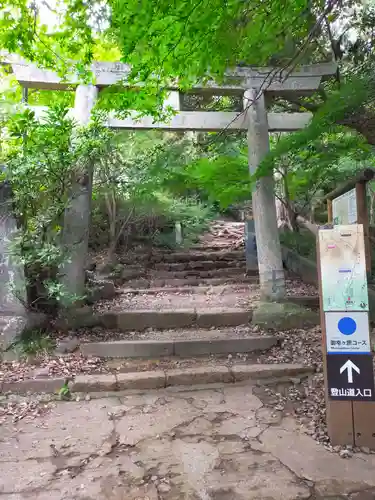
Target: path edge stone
(177,347)
(148,380)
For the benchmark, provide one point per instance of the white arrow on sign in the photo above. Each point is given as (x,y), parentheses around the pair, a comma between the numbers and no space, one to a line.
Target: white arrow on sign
(350,366)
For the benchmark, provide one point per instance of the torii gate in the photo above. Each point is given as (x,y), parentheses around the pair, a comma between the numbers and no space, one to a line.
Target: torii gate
(253,84)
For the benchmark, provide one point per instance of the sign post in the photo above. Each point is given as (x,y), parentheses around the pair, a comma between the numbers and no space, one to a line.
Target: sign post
(347,356)
(347,204)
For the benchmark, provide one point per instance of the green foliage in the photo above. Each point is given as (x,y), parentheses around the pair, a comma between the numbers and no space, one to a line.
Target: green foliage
(39,163)
(34,342)
(142,187)
(338,108)
(42,162)
(187,39)
(64,391)
(223,179)
(67,36)
(193,216)
(316,169)
(303,243)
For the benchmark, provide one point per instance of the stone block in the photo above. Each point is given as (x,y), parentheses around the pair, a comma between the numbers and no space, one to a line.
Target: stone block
(11,330)
(170,274)
(176,282)
(310,301)
(306,269)
(222,317)
(198,375)
(107,320)
(222,346)
(258,371)
(93,383)
(66,345)
(77,318)
(140,380)
(141,283)
(132,273)
(48,385)
(140,320)
(101,290)
(128,349)
(37,320)
(283,316)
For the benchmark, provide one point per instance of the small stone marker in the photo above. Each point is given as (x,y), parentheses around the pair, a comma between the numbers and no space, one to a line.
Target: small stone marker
(250,246)
(178,233)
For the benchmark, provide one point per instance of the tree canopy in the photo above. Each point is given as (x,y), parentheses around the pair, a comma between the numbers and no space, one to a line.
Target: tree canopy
(145,182)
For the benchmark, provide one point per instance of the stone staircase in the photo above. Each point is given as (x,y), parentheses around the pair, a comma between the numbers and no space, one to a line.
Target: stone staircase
(184,303)
(217,259)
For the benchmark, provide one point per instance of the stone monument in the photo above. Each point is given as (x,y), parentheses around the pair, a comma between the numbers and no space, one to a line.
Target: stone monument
(13,314)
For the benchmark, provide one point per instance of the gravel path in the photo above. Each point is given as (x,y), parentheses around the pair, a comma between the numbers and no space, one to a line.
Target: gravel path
(303,346)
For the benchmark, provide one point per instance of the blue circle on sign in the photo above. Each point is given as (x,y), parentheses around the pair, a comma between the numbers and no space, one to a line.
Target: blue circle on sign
(347,326)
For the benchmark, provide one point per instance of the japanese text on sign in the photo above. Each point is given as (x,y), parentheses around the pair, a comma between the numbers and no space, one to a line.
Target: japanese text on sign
(350,393)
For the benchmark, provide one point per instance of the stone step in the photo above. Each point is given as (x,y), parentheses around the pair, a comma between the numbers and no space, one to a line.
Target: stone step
(193,254)
(141,319)
(189,282)
(200,290)
(228,272)
(177,347)
(234,297)
(200,265)
(226,247)
(210,255)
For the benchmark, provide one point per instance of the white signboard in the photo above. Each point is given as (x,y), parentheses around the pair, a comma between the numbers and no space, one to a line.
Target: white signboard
(343,268)
(344,208)
(347,333)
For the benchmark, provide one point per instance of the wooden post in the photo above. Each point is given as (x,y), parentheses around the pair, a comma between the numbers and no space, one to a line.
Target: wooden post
(339,414)
(329,212)
(362,218)
(364,412)
(347,356)
(271,272)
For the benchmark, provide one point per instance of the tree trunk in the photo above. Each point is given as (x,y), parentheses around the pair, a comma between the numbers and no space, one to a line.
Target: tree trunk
(363,121)
(307,224)
(111,206)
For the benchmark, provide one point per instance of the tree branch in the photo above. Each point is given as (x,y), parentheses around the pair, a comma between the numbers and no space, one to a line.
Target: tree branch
(309,106)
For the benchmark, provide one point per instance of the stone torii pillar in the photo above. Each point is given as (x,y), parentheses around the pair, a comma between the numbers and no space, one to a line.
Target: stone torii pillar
(75,235)
(271,272)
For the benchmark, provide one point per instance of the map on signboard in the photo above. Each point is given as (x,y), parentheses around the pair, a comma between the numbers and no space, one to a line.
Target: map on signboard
(343,268)
(344,208)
